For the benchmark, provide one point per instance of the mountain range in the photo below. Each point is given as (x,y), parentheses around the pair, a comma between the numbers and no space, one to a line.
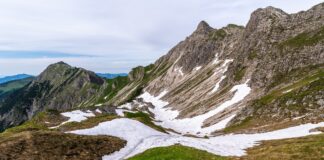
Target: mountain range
(262,77)
(111,75)
(14,77)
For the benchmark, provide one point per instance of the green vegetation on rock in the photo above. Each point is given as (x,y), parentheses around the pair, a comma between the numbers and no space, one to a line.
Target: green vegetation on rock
(11,86)
(310,147)
(36,123)
(113,86)
(252,55)
(305,39)
(296,99)
(239,74)
(144,118)
(219,34)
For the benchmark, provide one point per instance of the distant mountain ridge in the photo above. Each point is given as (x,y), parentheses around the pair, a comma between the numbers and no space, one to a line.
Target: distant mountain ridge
(11,86)
(111,75)
(59,87)
(5,79)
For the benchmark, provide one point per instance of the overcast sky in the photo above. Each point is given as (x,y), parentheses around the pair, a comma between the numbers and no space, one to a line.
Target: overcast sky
(110,36)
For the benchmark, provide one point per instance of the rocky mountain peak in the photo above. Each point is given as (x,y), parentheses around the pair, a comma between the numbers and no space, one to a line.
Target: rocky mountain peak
(263,19)
(203,26)
(268,12)
(315,13)
(54,71)
(319,7)
(202,30)
(59,64)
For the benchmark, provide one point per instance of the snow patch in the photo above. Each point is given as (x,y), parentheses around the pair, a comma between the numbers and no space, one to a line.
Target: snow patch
(197,68)
(98,110)
(75,116)
(132,131)
(167,118)
(287,91)
(179,70)
(217,84)
(98,105)
(126,106)
(226,62)
(120,112)
(141,137)
(216,60)
(296,118)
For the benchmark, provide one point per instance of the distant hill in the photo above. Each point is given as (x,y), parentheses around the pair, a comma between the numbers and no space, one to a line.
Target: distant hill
(13,85)
(14,77)
(111,75)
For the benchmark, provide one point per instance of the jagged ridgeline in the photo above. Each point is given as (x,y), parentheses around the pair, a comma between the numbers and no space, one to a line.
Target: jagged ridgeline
(60,87)
(279,56)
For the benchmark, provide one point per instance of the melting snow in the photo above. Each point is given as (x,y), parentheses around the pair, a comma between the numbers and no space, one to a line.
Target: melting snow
(296,118)
(126,106)
(216,60)
(217,84)
(98,105)
(141,137)
(287,91)
(222,69)
(120,112)
(226,62)
(179,70)
(75,116)
(197,68)
(98,110)
(167,117)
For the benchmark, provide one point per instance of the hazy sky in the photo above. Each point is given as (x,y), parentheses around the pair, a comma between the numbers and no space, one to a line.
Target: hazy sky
(110,36)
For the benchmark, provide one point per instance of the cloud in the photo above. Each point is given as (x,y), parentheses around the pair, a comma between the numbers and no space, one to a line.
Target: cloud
(135,31)
(38,54)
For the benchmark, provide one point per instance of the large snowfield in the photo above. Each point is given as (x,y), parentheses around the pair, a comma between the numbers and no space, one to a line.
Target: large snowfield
(141,137)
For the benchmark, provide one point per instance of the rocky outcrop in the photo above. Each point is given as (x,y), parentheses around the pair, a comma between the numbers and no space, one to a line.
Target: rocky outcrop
(199,72)
(60,87)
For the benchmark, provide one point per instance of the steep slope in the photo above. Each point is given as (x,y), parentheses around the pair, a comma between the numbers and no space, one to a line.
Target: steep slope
(60,87)
(8,87)
(214,73)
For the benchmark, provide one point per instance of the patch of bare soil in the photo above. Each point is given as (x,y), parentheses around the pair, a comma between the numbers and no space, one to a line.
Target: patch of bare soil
(57,146)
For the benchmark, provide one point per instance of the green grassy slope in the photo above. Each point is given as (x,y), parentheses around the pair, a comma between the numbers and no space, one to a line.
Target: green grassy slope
(310,147)
(297,99)
(176,152)
(13,85)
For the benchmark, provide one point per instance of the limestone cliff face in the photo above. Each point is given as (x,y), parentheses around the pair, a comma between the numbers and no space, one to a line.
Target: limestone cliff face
(275,43)
(60,87)
(199,72)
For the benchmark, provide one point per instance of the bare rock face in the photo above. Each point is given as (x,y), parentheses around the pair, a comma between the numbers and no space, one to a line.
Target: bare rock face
(60,87)
(200,71)
(277,43)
